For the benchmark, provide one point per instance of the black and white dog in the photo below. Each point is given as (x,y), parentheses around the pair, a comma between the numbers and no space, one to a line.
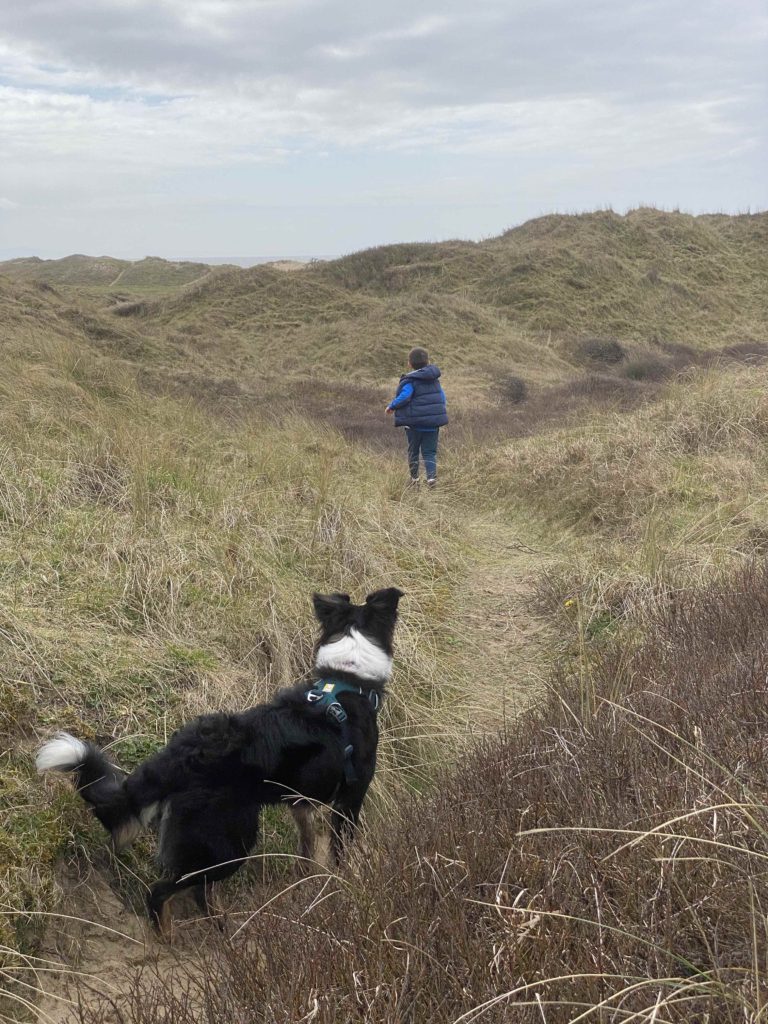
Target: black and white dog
(314,743)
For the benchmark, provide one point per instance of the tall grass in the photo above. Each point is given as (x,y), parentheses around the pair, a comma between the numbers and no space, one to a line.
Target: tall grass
(603,864)
(648,276)
(664,496)
(157,563)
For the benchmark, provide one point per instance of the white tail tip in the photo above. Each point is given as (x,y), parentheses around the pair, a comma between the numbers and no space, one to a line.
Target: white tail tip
(61,754)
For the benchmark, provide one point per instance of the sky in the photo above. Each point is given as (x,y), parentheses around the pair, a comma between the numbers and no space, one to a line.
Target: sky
(298,128)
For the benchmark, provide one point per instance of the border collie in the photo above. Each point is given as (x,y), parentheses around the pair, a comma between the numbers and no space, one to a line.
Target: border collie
(314,743)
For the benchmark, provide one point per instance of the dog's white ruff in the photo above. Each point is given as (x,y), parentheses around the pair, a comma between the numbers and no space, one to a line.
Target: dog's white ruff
(357,654)
(61,754)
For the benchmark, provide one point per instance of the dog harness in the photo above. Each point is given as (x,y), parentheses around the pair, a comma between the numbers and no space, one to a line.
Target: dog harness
(324,693)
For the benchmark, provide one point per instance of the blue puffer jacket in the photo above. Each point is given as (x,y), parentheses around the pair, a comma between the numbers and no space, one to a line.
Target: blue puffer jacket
(426,407)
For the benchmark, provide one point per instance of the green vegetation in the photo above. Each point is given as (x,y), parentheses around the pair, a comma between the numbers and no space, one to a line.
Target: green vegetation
(103,274)
(186,455)
(156,564)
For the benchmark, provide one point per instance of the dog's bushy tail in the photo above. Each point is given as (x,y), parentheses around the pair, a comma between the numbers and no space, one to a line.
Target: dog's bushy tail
(100,783)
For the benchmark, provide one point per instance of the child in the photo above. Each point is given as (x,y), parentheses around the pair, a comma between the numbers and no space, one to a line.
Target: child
(420,407)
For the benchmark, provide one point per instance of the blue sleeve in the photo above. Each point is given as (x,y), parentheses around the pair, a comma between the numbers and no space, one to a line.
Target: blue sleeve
(443,396)
(403,395)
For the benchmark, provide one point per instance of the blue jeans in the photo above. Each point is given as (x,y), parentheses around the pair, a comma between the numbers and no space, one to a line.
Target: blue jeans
(424,441)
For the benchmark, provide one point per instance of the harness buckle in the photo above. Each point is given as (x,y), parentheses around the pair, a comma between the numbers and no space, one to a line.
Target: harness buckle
(337,712)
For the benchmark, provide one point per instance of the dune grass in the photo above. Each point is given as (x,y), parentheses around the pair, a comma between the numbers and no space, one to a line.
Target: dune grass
(603,860)
(650,275)
(176,480)
(157,563)
(655,499)
(517,303)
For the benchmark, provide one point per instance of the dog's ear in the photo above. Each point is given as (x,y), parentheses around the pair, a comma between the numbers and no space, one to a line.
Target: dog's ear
(384,600)
(327,605)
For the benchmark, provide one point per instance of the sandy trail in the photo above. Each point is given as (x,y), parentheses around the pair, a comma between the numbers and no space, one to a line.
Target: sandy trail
(102,944)
(515,642)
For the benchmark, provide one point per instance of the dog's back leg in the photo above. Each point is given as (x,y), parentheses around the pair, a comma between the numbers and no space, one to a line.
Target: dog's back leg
(205,836)
(162,892)
(202,894)
(158,905)
(304,815)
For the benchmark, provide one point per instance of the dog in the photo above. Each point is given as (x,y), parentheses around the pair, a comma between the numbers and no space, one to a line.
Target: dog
(311,744)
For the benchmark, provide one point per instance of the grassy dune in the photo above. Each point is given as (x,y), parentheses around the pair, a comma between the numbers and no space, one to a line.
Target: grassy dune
(104,274)
(648,502)
(179,473)
(651,279)
(649,276)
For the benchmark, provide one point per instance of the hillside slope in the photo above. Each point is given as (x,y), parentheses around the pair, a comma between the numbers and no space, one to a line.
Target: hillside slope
(645,276)
(525,302)
(105,273)
(71,270)
(654,281)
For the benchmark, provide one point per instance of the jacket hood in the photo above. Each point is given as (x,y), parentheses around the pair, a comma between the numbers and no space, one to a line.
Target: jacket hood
(430,372)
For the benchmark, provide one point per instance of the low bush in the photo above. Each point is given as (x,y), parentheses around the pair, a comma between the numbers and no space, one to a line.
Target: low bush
(512,389)
(600,350)
(645,368)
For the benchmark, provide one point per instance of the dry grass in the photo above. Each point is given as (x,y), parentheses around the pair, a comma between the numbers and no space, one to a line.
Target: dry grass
(672,491)
(515,304)
(646,276)
(98,275)
(520,303)
(176,479)
(604,860)
(156,564)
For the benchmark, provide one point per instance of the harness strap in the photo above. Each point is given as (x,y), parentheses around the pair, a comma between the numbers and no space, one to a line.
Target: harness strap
(324,693)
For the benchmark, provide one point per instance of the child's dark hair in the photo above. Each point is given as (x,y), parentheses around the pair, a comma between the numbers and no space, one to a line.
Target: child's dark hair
(418,358)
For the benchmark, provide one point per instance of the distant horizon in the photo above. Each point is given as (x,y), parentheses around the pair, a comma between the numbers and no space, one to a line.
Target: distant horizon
(6,256)
(249,261)
(244,261)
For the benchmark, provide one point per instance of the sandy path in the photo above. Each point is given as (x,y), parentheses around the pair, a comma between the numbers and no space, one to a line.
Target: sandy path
(515,641)
(102,945)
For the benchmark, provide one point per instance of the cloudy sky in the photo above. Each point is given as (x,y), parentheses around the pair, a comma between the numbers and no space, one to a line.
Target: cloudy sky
(313,127)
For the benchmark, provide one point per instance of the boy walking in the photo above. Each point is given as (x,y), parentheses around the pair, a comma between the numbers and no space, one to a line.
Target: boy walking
(420,406)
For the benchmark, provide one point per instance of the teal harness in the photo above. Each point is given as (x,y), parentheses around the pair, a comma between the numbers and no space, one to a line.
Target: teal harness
(323,693)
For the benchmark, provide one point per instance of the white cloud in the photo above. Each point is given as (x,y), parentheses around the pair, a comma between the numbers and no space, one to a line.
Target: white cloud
(364,46)
(119,98)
